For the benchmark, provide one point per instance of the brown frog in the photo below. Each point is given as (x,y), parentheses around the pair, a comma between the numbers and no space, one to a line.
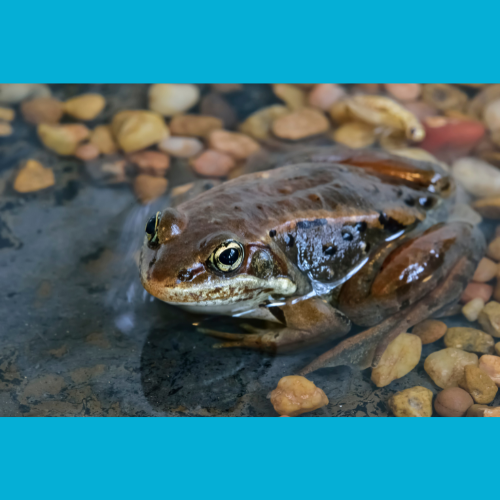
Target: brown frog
(328,238)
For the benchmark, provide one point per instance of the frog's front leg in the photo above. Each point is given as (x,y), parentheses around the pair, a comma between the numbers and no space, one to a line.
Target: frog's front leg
(306,322)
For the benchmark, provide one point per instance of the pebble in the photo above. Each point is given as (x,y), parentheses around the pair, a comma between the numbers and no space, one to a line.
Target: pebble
(478,177)
(491,115)
(7,114)
(300,124)
(355,135)
(488,207)
(489,318)
(491,365)
(42,110)
(110,169)
(485,271)
(215,105)
(404,91)
(181,147)
(87,151)
(237,145)
(103,139)
(85,107)
(324,95)
(226,88)
(293,97)
(469,339)
(169,99)
(412,402)
(400,357)
(496,291)
(493,250)
(420,109)
(430,330)
(478,104)
(258,124)
(472,309)
(453,402)
(213,164)
(63,139)
(295,395)
(5,129)
(479,385)
(194,125)
(366,88)
(12,93)
(446,367)
(137,129)
(151,162)
(149,187)
(483,411)
(443,96)
(33,176)
(476,290)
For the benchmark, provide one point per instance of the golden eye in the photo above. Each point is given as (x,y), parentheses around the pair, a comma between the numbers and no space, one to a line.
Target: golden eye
(228,256)
(152,228)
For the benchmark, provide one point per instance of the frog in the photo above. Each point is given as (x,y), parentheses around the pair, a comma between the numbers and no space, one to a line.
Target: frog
(327,239)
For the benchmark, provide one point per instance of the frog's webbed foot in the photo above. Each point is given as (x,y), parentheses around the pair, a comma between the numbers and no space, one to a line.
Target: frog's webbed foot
(264,340)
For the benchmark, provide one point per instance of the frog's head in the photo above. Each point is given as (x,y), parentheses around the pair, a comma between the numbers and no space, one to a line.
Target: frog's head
(209,263)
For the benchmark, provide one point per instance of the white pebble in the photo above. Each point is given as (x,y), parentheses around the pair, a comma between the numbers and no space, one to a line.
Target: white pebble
(181,147)
(12,93)
(478,177)
(472,309)
(491,115)
(171,99)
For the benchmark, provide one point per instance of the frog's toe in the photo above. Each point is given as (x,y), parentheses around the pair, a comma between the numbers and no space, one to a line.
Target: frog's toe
(222,335)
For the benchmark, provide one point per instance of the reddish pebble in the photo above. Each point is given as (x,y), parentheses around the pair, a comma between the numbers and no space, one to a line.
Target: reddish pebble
(404,91)
(213,164)
(323,95)
(420,109)
(151,162)
(474,290)
(87,152)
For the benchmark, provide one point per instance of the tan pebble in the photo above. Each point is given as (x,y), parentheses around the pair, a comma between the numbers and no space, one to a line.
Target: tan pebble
(400,357)
(194,125)
(5,129)
(478,177)
(494,249)
(469,339)
(355,135)
(476,290)
(472,309)
(293,97)
(489,318)
(169,99)
(7,114)
(491,365)
(404,91)
(324,95)
(430,330)
(488,207)
(148,187)
(485,271)
(42,110)
(497,348)
(413,402)
(33,176)
(136,129)
(151,162)
(491,115)
(443,96)
(226,88)
(181,147)
(446,367)
(453,402)
(300,124)
(102,137)
(295,395)
(212,164)
(479,385)
(85,106)
(63,139)
(483,411)
(258,124)
(87,152)
(239,146)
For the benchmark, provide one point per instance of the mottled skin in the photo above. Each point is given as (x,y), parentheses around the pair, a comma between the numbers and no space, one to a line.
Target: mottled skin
(330,236)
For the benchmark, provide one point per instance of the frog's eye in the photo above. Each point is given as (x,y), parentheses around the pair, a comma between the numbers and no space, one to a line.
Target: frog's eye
(152,228)
(228,256)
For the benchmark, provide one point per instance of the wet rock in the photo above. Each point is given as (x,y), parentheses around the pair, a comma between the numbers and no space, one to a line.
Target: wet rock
(7,114)
(151,162)
(476,290)
(492,115)
(292,96)
(400,357)
(413,402)
(469,339)
(194,125)
(324,95)
(181,147)
(12,93)
(472,309)
(258,124)
(148,187)
(103,139)
(489,318)
(42,110)
(83,375)
(303,123)
(213,164)
(136,130)
(215,105)
(430,330)
(236,145)
(477,177)
(404,91)
(295,395)
(355,135)
(45,385)
(87,152)
(491,365)
(479,385)
(169,99)
(33,176)
(446,367)
(85,107)
(483,411)
(453,402)
(486,271)
(63,139)
(444,97)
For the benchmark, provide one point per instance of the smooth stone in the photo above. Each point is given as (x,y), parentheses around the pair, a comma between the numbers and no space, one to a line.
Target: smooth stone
(412,402)
(479,385)
(149,187)
(293,97)
(12,93)
(103,139)
(181,147)
(87,152)
(404,91)
(239,146)
(430,330)
(489,318)
(324,95)
(33,176)
(150,162)
(194,125)
(486,270)
(478,177)
(300,124)
(63,139)
(169,99)
(472,309)
(446,367)
(491,365)
(7,114)
(213,164)
(476,290)
(355,135)
(483,411)
(85,107)
(258,124)
(491,115)
(469,339)
(42,110)
(453,402)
